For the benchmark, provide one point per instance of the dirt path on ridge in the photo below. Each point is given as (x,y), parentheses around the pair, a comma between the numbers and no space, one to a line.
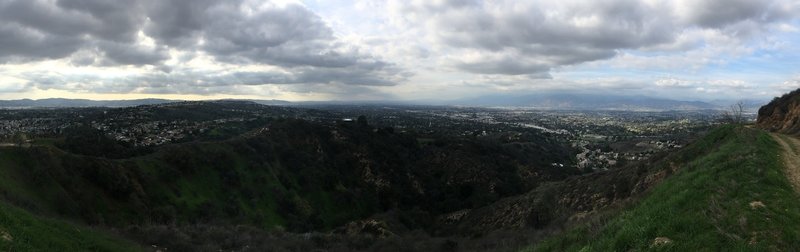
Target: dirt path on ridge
(791,158)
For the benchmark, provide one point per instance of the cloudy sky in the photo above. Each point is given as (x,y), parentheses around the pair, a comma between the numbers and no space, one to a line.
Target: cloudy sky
(398,50)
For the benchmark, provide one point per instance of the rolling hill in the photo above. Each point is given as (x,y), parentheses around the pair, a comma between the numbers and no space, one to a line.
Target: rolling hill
(286,175)
(728,193)
(736,189)
(301,185)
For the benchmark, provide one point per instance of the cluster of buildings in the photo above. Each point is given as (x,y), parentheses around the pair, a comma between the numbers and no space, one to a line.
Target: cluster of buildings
(624,135)
(592,158)
(146,125)
(151,133)
(621,135)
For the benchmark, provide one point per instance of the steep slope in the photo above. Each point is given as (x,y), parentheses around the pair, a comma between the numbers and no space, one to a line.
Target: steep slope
(730,194)
(292,174)
(22,231)
(791,158)
(782,114)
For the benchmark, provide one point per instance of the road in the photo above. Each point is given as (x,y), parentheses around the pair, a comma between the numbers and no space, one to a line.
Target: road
(791,157)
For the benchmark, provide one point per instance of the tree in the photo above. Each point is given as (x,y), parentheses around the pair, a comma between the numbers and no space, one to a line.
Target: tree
(20,139)
(734,114)
(362,121)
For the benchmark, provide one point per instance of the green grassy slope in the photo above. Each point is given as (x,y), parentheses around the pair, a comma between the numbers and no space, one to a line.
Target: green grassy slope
(298,175)
(146,189)
(22,231)
(713,203)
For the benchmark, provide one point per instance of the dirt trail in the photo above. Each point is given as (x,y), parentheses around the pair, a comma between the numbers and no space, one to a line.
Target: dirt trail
(791,158)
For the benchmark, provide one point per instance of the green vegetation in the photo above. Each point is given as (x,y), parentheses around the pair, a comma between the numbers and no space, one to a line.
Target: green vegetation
(729,194)
(296,176)
(278,182)
(22,231)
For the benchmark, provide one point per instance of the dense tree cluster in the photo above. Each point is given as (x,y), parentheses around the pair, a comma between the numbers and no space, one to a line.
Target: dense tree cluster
(294,173)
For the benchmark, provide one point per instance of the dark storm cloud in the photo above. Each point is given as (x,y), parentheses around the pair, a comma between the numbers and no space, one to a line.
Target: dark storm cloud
(111,20)
(107,33)
(177,22)
(525,38)
(616,24)
(55,19)
(516,38)
(720,13)
(17,43)
(35,29)
(743,19)
(288,36)
(503,66)
(126,54)
(271,27)
(191,81)
(513,61)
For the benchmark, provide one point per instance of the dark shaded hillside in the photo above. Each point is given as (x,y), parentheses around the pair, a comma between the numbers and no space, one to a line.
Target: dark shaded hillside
(245,175)
(508,224)
(23,231)
(572,200)
(294,174)
(93,133)
(782,114)
(729,193)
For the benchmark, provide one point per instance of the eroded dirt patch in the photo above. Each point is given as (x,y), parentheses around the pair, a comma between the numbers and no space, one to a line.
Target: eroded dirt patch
(791,158)
(6,236)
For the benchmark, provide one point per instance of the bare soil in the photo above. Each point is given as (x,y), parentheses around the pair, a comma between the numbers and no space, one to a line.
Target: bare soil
(791,158)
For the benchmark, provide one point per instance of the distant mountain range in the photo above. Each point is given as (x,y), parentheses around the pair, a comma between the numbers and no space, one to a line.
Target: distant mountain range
(571,101)
(64,103)
(78,103)
(554,101)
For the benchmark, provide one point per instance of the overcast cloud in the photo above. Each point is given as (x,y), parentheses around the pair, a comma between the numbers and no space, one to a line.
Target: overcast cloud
(441,49)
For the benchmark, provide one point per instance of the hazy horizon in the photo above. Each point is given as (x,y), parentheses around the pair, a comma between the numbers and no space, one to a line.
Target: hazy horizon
(397,50)
(711,100)
(540,101)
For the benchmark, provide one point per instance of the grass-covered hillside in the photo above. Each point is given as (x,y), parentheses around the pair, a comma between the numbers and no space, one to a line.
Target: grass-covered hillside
(23,231)
(303,185)
(290,174)
(729,193)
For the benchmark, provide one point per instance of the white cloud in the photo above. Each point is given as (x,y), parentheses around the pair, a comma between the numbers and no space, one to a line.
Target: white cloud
(371,48)
(674,83)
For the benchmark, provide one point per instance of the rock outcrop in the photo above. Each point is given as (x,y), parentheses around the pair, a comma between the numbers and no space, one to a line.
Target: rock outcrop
(782,114)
